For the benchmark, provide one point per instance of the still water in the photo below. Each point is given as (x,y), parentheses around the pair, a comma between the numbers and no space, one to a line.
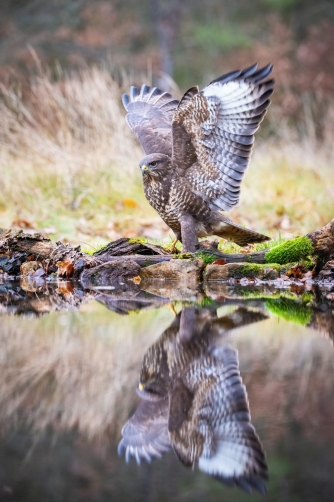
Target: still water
(150,393)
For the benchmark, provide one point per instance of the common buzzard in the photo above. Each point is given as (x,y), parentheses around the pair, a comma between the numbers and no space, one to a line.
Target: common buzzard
(197,151)
(193,401)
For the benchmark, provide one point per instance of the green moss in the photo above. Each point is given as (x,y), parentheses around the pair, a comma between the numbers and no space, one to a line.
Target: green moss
(307,297)
(253,270)
(138,240)
(294,250)
(207,302)
(183,256)
(206,256)
(93,249)
(290,310)
(251,292)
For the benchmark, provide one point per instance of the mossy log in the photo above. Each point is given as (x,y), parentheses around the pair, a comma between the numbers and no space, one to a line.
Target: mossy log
(323,244)
(17,247)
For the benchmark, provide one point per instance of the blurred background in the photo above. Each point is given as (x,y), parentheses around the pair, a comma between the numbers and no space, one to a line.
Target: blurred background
(68,163)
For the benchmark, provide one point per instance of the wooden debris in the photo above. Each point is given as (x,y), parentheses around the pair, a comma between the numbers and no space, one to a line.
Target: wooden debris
(18,248)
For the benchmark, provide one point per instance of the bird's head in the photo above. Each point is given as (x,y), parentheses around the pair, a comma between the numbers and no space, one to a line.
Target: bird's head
(153,389)
(155,164)
(154,378)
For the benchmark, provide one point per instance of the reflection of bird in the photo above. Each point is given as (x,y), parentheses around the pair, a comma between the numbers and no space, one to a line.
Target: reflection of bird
(192,399)
(198,149)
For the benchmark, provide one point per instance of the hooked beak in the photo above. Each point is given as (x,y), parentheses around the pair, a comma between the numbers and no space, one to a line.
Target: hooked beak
(144,168)
(141,386)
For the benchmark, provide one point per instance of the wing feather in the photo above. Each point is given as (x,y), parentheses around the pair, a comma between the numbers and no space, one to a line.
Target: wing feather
(215,431)
(150,113)
(145,435)
(235,455)
(218,125)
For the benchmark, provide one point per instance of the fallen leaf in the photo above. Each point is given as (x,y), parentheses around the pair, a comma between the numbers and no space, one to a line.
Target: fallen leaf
(297,289)
(21,223)
(65,268)
(129,202)
(65,288)
(297,271)
(29,268)
(221,261)
(136,279)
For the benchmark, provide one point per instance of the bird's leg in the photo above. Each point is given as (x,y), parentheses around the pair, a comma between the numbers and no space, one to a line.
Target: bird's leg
(187,324)
(172,308)
(172,247)
(188,234)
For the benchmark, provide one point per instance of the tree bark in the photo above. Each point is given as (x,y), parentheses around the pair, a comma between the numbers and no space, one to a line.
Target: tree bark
(18,247)
(323,243)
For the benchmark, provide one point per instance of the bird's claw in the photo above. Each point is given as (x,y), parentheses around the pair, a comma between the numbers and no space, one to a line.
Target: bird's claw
(172,247)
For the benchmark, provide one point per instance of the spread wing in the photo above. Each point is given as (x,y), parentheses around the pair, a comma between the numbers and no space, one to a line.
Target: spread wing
(150,113)
(216,431)
(145,435)
(213,133)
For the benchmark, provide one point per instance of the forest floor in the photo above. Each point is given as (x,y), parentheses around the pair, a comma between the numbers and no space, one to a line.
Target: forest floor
(69,168)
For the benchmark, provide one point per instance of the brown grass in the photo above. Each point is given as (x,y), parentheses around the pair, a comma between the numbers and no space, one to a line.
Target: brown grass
(68,165)
(73,370)
(80,369)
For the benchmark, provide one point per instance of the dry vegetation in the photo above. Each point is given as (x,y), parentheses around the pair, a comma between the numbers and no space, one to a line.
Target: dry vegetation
(80,370)
(68,164)
(73,370)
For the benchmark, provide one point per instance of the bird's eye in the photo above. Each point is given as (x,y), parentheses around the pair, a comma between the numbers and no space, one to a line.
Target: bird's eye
(154,163)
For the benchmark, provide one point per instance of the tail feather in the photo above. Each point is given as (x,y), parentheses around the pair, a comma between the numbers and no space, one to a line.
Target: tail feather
(229,230)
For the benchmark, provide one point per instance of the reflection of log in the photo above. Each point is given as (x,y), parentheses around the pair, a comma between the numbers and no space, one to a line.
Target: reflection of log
(323,321)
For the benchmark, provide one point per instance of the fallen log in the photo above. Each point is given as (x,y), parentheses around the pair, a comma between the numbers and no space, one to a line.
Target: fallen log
(17,248)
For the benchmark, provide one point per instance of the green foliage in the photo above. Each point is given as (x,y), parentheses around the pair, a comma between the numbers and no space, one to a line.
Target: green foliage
(91,250)
(252,270)
(207,302)
(230,247)
(294,250)
(217,37)
(261,246)
(290,310)
(307,297)
(206,256)
(183,256)
(282,5)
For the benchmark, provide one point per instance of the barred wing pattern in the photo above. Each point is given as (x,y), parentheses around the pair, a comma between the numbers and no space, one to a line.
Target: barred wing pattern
(150,113)
(145,435)
(205,420)
(217,432)
(213,133)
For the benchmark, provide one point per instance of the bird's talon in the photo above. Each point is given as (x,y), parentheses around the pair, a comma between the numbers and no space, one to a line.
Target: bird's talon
(172,248)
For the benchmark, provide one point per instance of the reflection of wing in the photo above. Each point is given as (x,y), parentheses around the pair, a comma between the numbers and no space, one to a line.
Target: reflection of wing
(150,113)
(213,133)
(216,431)
(198,323)
(145,435)
(242,316)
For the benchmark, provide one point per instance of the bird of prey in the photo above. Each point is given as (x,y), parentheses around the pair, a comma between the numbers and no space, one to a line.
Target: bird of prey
(197,150)
(193,401)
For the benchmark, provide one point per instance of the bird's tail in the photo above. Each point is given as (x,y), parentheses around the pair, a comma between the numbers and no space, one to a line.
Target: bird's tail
(227,229)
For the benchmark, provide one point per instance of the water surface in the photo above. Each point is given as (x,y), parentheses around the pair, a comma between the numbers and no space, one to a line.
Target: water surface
(77,364)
